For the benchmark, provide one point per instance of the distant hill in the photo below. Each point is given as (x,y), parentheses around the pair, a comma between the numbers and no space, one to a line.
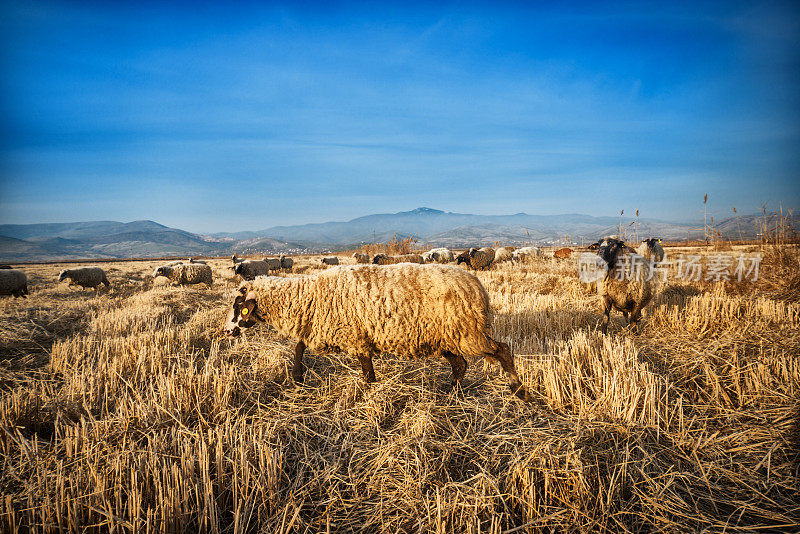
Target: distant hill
(462,229)
(111,239)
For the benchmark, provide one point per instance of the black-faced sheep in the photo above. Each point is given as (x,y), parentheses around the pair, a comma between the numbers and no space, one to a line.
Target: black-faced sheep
(286,263)
(249,269)
(13,283)
(477,258)
(360,257)
(84,277)
(330,260)
(417,310)
(385,259)
(651,249)
(439,255)
(629,294)
(186,273)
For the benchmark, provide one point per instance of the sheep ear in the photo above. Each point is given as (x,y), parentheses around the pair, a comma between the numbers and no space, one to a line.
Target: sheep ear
(242,290)
(249,311)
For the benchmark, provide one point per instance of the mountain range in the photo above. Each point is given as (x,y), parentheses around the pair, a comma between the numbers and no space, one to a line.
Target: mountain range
(111,239)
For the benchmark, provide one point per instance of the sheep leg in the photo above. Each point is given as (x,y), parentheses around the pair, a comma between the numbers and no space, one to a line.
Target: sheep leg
(298,368)
(607,314)
(503,355)
(458,364)
(366,367)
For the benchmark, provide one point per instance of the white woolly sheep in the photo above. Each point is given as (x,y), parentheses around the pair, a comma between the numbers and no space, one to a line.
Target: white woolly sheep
(249,269)
(651,249)
(186,273)
(417,310)
(13,283)
(477,259)
(527,254)
(84,277)
(286,263)
(503,254)
(385,259)
(628,295)
(360,257)
(439,255)
(330,260)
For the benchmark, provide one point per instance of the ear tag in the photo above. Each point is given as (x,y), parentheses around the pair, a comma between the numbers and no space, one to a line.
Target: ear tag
(245,311)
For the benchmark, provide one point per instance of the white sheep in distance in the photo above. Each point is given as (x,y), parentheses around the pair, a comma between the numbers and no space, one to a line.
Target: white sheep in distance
(286,263)
(439,255)
(527,254)
(249,269)
(416,310)
(385,259)
(330,260)
(651,249)
(13,283)
(186,273)
(84,277)
(361,257)
(503,254)
(630,296)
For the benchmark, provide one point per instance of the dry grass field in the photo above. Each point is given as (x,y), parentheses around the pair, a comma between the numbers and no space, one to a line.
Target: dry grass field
(126,410)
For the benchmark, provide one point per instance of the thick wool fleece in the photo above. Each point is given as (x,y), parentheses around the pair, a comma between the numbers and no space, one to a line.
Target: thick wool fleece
(383,259)
(186,273)
(503,254)
(416,310)
(84,276)
(655,253)
(249,269)
(13,282)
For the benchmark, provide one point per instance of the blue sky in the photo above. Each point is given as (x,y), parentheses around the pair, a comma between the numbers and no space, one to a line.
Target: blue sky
(233,116)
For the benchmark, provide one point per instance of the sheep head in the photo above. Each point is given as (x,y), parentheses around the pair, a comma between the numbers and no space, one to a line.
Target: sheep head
(610,250)
(243,313)
(62,276)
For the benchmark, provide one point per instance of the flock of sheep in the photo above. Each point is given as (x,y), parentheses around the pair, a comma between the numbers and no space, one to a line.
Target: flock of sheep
(394,304)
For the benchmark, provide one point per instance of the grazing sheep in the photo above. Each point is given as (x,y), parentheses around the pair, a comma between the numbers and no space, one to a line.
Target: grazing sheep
(84,277)
(186,273)
(13,283)
(385,259)
(477,258)
(651,249)
(360,257)
(439,255)
(628,295)
(562,253)
(249,269)
(503,254)
(417,310)
(330,260)
(527,254)
(274,264)
(286,263)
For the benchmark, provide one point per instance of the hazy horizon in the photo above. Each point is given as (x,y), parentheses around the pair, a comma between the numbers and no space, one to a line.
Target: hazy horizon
(235,117)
